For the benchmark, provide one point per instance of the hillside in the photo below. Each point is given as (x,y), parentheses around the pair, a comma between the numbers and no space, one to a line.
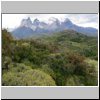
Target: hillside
(70,40)
(65,58)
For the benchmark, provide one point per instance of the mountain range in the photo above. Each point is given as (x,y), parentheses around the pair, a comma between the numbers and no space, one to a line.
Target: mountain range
(29,28)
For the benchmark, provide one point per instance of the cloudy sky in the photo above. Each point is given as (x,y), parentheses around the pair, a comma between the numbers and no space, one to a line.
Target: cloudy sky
(85,20)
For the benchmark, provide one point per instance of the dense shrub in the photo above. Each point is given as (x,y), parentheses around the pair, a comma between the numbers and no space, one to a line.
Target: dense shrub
(19,67)
(46,68)
(27,78)
(6,62)
(91,77)
(6,43)
(74,80)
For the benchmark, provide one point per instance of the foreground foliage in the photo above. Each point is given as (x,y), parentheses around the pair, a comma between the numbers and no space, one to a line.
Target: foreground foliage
(63,59)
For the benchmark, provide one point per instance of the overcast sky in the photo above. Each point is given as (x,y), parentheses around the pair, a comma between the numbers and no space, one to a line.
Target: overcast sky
(85,20)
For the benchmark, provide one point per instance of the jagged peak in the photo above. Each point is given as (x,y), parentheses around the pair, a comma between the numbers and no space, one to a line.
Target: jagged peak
(26,22)
(67,20)
(28,18)
(36,20)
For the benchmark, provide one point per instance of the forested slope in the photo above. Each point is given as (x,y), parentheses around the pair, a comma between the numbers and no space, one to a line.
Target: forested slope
(61,59)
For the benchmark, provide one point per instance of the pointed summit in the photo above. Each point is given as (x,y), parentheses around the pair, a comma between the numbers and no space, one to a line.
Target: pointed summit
(67,20)
(36,22)
(26,22)
(67,24)
(29,19)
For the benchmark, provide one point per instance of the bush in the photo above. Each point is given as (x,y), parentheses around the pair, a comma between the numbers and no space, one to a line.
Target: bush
(6,38)
(27,78)
(91,78)
(57,64)
(6,62)
(19,67)
(48,70)
(10,79)
(74,80)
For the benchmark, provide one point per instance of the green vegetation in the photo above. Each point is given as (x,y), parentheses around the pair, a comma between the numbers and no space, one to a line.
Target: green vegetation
(65,58)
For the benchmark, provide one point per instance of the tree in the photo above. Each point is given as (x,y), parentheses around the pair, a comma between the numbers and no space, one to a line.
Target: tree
(6,42)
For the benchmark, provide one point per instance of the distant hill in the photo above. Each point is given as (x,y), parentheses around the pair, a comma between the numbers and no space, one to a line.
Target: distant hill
(69,40)
(28,28)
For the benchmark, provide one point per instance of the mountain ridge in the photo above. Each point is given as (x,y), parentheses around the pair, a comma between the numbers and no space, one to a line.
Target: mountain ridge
(38,27)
